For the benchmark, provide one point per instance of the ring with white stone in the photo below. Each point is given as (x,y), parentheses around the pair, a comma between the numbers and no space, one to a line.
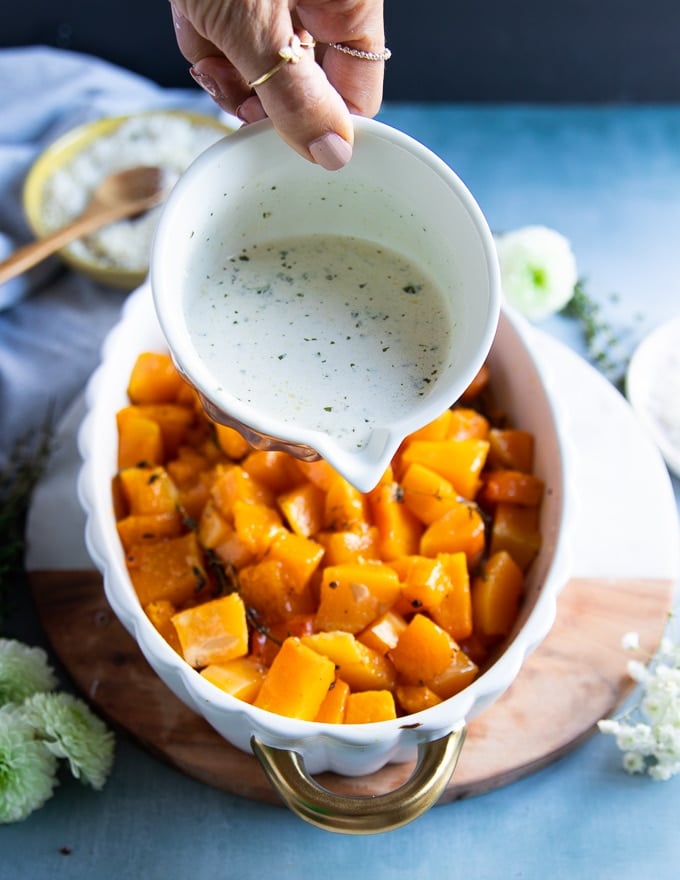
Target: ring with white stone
(290,54)
(385,55)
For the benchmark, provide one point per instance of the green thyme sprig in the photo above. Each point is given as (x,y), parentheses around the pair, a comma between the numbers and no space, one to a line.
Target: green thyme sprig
(24,467)
(605,346)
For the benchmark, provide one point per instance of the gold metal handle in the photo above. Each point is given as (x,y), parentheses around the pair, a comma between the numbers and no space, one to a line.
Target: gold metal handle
(352,814)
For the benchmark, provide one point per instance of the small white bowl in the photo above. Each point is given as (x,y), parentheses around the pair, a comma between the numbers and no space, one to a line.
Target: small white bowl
(252,190)
(653,389)
(291,750)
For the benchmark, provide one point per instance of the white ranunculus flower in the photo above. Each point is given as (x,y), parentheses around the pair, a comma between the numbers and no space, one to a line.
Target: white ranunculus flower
(538,270)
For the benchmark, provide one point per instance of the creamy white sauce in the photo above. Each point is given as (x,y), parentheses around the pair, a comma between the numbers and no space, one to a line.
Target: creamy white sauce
(330,333)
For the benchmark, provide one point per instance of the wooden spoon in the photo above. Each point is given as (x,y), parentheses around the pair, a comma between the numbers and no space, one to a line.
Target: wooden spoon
(119,195)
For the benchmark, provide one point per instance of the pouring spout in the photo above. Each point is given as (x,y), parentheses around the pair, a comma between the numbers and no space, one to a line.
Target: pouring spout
(364,466)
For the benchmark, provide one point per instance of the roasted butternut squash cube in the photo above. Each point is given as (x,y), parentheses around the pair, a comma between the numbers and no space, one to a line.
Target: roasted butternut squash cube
(362,668)
(267,588)
(477,386)
(160,613)
(516,529)
(468,424)
(232,483)
(511,448)
(358,545)
(139,439)
(496,594)
(454,612)
(437,429)
(241,677)
(367,707)
(233,444)
(213,632)
(146,528)
(345,507)
(512,487)
(460,672)
(426,493)
(297,681)
(304,509)
(423,651)
(256,525)
(319,472)
(383,634)
(399,530)
(171,569)
(174,422)
(148,490)
(299,556)
(424,583)
(416,697)
(333,708)
(458,461)
(273,469)
(461,529)
(154,379)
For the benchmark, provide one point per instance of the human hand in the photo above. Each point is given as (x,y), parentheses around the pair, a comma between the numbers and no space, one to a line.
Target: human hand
(231,43)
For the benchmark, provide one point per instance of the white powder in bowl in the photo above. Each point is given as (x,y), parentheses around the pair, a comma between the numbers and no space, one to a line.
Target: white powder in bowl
(163,139)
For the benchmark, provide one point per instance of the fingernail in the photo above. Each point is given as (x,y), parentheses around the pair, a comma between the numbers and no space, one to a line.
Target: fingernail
(207,83)
(251,110)
(331,151)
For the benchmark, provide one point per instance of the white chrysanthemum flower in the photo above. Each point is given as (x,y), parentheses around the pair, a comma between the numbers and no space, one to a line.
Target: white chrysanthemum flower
(27,768)
(663,771)
(23,671)
(70,730)
(609,725)
(538,270)
(636,738)
(637,670)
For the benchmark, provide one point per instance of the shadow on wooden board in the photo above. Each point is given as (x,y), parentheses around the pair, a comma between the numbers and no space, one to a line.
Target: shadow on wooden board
(444,50)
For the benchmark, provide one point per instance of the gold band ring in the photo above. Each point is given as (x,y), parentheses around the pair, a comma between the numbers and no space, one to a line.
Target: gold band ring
(385,55)
(290,54)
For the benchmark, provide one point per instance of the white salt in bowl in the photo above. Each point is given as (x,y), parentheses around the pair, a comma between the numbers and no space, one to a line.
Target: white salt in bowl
(62,178)
(292,751)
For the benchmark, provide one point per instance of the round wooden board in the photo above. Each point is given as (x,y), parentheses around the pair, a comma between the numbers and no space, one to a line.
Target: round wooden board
(574,678)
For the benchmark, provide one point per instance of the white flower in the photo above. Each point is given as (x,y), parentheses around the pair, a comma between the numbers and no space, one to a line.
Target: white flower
(23,671)
(27,768)
(631,641)
(538,270)
(633,762)
(70,730)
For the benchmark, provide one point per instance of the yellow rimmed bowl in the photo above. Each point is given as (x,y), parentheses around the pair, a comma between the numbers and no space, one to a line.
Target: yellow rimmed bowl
(90,138)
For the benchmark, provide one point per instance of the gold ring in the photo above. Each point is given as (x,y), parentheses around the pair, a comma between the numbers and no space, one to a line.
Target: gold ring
(290,54)
(385,55)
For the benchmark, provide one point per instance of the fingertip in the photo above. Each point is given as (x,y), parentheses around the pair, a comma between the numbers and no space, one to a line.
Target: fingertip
(330,151)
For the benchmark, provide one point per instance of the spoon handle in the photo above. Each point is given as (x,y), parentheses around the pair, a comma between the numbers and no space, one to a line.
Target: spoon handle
(29,255)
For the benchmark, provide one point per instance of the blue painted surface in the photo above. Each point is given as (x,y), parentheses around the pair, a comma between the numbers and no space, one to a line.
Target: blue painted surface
(609,179)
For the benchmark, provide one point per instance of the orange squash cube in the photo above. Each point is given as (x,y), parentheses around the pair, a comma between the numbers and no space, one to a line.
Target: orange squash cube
(154,379)
(256,525)
(273,469)
(345,507)
(304,509)
(145,528)
(458,461)
(297,682)
(516,529)
(173,420)
(213,632)
(437,429)
(454,612)
(383,634)
(171,569)
(318,472)
(160,613)
(416,697)
(512,487)
(424,583)
(266,587)
(426,493)
(468,424)
(148,490)
(367,707)
(241,677)
(362,668)
(399,530)
(477,386)
(423,651)
(233,484)
(140,442)
(359,545)
(460,672)
(333,708)
(496,594)
(461,529)
(511,448)
(299,556)
(232,444)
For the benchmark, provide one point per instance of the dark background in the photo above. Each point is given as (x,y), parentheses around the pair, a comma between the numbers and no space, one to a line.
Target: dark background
(488,50)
